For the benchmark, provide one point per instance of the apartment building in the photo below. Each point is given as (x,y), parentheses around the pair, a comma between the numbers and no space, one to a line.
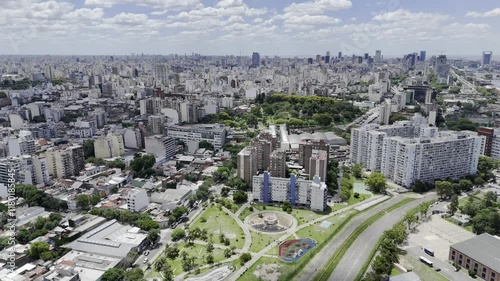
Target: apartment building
(212,133)
(306,150)
(24,169)
(301,193)
(277,166)
(65,162)
(489,134)
(451,156)
(137,200)
(23,144)
(109,146)
(318,164)
(160,146)
(479,254)
(246,164)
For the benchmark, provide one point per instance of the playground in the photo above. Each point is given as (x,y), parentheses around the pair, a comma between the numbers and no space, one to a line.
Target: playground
(293,250)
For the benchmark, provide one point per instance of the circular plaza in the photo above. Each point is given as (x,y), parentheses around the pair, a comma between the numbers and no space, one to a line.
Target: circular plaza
(271,222)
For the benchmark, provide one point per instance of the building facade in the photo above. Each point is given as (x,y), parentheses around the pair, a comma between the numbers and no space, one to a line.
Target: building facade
(137,200)
(303,193)
(277,166)
(246,164)
(214,134)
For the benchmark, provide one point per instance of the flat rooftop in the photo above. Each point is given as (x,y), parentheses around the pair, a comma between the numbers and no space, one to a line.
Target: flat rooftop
(484,248)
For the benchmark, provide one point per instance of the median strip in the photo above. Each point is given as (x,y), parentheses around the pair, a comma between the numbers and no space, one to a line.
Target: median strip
(335,259)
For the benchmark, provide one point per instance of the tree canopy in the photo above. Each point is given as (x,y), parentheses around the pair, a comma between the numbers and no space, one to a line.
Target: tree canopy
(376,182)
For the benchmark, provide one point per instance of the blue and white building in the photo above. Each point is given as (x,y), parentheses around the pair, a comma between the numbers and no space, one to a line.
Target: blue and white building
(301,193)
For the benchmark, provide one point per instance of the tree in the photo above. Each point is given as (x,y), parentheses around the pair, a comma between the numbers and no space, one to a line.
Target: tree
(381,265)
(486,220)
(454,204)
(94,199)
(240,197)
(210,247)
(83,201)
(178,234)
(206,145)
(424,209)
(113,274)
(345,193)
(470,208)
(46,256)
(161,265)
(419,187)
(210,259)
(357,170)
(444,189)
(135,274)
(172,252)
(88,148)
(286,206)
(490,198)
(478,181)
(153,235)
(465,185)
(244,258)
(376,182)
(323,119)
(228,253)
(37,248)
(410,219)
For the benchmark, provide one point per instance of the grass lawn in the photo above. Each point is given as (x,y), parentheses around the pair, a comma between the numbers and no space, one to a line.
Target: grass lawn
(362,197)
(395,271)
(218,221)
(195,250)
(245,214)
(274,250)
(319,233)
(261,240)
(302,216)
(426,273)
(464,200)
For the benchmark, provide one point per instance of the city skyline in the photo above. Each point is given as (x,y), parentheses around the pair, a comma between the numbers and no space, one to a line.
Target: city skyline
(286,28)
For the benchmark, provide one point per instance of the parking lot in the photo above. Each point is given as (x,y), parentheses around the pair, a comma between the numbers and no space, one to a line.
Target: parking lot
(437,235)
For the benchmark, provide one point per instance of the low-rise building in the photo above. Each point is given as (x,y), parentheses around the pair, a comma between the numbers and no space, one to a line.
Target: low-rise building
(137,200)
(480,254)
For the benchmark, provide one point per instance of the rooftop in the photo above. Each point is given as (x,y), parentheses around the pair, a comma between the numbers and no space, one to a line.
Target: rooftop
(484,248)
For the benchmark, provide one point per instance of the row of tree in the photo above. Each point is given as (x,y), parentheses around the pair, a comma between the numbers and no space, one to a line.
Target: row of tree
(392,239)
(141,220)
(35,197)
(484,214)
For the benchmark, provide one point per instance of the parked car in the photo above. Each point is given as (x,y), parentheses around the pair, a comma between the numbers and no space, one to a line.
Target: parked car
(145,260)
(146,253)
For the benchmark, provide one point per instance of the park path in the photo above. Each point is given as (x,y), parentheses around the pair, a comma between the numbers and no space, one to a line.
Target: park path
(242,208)
(246,230)
(261,253)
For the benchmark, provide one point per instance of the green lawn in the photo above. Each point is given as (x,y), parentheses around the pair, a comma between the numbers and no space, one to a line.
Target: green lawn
(261,240)
(274,250)
(319,233)
(245,214)
(195,250)
(362,197)
(395,271)
(218,221)
(426,273)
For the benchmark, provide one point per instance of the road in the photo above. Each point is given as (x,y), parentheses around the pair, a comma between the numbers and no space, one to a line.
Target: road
(320,260)
(355,257)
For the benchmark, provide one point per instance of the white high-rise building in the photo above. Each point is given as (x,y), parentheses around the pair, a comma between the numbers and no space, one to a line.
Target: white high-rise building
(378,56)
(453,155)
(385,113)
(137,200)
(411,150)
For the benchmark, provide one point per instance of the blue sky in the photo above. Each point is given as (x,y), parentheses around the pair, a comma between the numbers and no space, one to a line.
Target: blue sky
(271,27)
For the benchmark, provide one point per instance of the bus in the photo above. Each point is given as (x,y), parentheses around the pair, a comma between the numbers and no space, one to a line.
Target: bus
(429,252)
(426,261)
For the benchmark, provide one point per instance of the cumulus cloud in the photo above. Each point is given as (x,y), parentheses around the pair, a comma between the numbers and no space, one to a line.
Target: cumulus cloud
(492,13)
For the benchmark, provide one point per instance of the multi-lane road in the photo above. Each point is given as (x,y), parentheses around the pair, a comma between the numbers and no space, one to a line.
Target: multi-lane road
(320,260)
(357,254)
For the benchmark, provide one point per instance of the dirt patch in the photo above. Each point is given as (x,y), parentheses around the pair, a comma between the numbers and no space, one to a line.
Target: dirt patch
(227,234)
(267,272)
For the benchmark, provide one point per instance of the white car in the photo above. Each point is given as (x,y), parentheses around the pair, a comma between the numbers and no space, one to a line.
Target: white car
(145,260)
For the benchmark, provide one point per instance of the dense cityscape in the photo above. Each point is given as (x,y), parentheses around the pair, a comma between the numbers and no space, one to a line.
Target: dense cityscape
(341,165)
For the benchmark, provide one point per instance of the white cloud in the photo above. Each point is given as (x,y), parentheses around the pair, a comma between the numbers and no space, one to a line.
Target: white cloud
(160,4)
(159,13)
(317,7)
(492,13)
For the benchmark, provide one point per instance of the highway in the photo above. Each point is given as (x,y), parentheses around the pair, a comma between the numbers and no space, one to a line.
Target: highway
(320,260)
(355,257)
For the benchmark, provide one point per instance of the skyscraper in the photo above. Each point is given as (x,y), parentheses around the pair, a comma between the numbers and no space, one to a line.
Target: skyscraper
(255,59)
(422,55)
(442,69)
(161,74)
(378,56)
(327,58)
(340,55)
(486,58)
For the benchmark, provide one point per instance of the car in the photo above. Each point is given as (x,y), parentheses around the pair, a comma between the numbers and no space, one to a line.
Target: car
(146,253)
(145,260)
(438,269)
